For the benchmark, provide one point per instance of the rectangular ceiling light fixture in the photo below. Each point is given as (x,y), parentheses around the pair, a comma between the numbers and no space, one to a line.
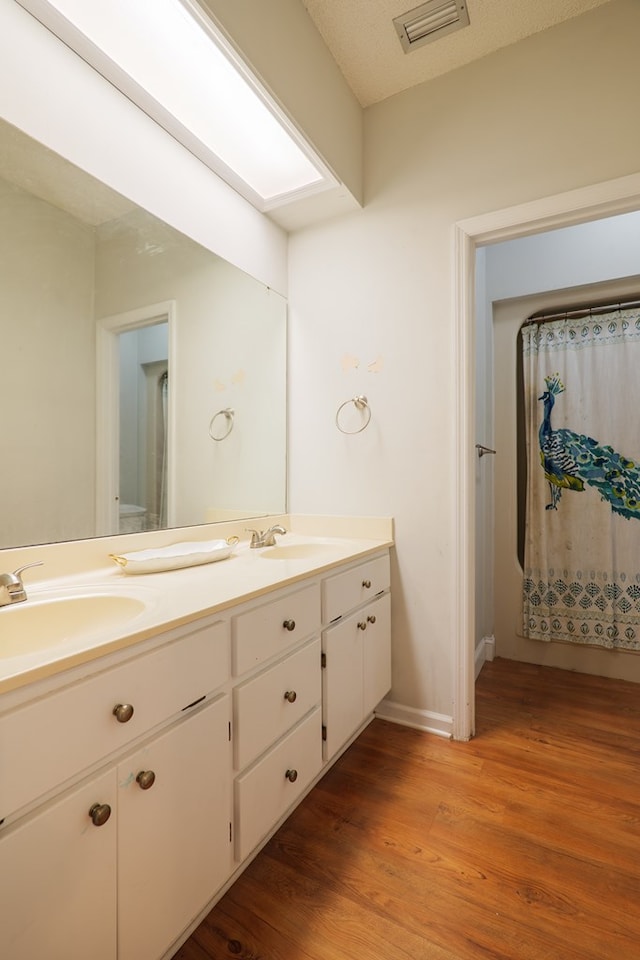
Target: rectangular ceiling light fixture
(171,60)
(430,21)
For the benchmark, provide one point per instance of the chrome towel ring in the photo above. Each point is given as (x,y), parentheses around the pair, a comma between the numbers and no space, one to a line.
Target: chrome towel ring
(362,404)
(228,413)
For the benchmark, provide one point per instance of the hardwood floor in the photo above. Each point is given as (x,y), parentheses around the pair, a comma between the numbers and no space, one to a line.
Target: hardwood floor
(523,844)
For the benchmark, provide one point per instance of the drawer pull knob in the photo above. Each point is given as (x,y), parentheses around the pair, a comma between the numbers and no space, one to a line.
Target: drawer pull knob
(291,775)
(290,696)
(99,813)
(371,619)
(146,779)
(362,625)
(366,584)
(123,712)
(289,624)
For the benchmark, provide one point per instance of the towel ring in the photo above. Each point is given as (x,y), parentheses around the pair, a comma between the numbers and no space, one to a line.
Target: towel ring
(228,413)
(360,403)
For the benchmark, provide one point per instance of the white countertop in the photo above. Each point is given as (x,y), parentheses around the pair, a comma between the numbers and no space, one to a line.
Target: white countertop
(177,597)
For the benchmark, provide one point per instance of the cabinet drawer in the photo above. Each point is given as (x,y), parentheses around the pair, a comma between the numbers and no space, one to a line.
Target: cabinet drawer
(50,740)
(268,705)
(348,590)
(264,793)
(272,627)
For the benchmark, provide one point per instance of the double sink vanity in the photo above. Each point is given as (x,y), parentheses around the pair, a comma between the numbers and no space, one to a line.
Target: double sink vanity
(155,730)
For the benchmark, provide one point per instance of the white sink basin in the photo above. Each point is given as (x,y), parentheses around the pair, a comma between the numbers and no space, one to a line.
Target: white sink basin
(298,551)
(42,623)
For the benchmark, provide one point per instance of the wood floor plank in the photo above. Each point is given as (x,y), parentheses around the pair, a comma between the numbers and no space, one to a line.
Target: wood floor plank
(523,844)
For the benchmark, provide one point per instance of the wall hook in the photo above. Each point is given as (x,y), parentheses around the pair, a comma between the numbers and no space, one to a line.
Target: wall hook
(482,450)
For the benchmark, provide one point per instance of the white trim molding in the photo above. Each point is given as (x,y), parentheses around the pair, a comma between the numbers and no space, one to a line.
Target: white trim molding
(427,720)
(562,210)
(108,407)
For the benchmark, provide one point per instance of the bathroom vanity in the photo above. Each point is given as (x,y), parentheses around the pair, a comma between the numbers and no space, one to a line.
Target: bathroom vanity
(140,772)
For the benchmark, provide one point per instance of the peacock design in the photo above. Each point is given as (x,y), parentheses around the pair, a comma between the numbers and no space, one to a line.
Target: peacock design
(570,460)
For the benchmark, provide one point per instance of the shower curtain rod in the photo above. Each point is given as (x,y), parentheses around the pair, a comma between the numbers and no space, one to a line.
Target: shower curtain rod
(576,313)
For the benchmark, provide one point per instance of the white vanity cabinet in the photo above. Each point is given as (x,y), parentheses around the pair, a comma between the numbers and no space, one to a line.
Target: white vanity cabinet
(356,648)
(135,788)
(277,729)
(139,849)
(119,863)
(51,738)
(58,879)
(174,819)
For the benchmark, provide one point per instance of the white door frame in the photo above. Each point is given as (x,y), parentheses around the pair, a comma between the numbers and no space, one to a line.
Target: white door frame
(562,210)
(108,409)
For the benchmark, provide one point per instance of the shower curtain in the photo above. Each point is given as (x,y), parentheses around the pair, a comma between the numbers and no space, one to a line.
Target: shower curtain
(582,536)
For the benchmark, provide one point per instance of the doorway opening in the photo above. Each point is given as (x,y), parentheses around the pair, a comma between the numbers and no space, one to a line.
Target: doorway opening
(135,418)
(510,482)
(579,206)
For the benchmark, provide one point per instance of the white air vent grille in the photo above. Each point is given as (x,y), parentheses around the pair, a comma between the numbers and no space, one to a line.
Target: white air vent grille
(430,21)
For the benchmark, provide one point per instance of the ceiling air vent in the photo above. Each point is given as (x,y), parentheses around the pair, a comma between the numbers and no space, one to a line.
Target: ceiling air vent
(430,21)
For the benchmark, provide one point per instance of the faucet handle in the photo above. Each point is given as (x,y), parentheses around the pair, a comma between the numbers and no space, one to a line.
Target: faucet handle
(11,585)
(255,536)
(17,590)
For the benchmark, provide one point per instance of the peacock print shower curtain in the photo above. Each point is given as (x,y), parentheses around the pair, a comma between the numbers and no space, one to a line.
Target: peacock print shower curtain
(582,536)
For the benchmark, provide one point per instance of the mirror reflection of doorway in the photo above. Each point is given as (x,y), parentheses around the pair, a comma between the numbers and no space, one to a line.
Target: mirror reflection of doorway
(135,420)
(143,428)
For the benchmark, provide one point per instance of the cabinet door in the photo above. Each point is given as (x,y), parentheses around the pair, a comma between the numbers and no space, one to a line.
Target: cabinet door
(342,686)
(58,879)
(377,651)
(174,846)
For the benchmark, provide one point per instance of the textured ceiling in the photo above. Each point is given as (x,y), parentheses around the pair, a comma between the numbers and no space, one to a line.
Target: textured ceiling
(362,39)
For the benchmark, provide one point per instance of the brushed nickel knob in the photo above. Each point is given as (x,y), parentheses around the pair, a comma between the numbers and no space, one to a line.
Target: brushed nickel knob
(291,775)
(366,584)
(362,625)
(371,619)
(123,712)
(146,779)
(289,624)
(290,696)
(99,813)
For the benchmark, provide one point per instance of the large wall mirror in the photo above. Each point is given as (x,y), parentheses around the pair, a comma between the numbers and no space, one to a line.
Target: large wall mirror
(143,378)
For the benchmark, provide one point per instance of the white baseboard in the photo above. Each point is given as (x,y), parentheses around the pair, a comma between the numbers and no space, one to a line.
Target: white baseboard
(438,723)
(485,650)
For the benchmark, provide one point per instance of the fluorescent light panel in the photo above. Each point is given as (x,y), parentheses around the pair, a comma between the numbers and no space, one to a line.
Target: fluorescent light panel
(173,52)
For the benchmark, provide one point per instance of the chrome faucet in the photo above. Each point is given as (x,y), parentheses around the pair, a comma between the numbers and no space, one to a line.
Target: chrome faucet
(266,538)
(11,586)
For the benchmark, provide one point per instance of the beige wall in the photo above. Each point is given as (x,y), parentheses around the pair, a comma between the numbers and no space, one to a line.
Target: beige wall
(542,117)
(47,387)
